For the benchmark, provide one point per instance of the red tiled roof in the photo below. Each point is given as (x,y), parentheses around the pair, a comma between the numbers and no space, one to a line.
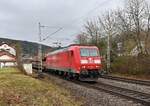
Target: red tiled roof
(8,54)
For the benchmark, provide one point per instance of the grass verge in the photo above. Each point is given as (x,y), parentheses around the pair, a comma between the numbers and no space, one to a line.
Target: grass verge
(17,89)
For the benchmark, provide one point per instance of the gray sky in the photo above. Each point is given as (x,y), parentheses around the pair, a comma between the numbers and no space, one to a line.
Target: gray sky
(19,18)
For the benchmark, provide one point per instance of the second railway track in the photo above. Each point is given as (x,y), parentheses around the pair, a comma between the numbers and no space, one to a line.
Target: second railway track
(136,96)
(139,97)
(128,80)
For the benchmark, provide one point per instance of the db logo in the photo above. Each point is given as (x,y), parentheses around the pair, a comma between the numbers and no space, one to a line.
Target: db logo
(90,60)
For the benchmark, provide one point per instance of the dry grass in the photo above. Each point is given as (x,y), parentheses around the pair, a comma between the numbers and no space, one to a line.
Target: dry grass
(17,89)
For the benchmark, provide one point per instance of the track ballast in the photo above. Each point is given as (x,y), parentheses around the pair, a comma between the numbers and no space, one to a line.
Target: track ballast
(139,97)
(133,81)
(136,96)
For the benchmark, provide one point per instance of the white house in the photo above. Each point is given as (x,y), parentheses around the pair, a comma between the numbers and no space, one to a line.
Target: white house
(7,56)
(8,48)
(135,51)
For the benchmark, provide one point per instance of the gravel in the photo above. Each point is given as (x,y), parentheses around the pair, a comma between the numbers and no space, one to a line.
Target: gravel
(93,97)
(137,87)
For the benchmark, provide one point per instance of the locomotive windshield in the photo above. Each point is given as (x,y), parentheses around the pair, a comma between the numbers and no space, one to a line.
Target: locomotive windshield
(88,52)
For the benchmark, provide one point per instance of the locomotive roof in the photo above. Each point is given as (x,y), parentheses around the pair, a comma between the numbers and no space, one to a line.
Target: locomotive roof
(81,45)
(66,48)
(58,50)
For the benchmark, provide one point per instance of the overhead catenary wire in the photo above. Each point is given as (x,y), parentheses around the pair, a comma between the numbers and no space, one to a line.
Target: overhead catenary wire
(52,34)
(75,20)
(84,16)
(87,14)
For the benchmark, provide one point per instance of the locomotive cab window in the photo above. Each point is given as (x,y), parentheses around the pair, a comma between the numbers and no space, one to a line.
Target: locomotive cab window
(88,52)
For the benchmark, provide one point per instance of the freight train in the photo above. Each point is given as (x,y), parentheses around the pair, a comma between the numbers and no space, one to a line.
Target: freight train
(74,62)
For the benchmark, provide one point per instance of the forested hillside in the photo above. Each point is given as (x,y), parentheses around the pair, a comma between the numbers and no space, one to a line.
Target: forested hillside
(28,48)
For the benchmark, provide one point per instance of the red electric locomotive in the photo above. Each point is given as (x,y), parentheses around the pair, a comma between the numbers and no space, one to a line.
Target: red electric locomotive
(75,61)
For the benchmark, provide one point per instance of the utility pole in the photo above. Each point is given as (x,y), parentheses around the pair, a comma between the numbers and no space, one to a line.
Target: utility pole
(40,51)
(40,45)
(108,52)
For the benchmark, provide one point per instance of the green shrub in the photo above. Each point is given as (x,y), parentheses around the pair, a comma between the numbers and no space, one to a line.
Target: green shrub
(131,65)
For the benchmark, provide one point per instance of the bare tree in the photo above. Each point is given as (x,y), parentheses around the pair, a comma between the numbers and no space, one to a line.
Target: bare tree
(136,11)
(107,22)
(19,56)
(123,23)
(147,30)
(82,38)
(133,22)
(124,28)
(92,31)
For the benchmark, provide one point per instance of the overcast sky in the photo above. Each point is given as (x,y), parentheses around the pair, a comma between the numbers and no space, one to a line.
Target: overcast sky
(19,18)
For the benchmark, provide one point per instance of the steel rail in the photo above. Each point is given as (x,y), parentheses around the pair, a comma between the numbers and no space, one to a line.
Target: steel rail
(128,80)
(136,96)
(139,97)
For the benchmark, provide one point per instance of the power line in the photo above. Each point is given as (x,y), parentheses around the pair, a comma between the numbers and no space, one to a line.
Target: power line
(72,22)
(40,46)
(76,19)
(83,16)
(52,34)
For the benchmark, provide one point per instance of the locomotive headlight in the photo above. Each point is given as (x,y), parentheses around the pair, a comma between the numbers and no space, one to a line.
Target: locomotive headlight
(84,61)
(97,61)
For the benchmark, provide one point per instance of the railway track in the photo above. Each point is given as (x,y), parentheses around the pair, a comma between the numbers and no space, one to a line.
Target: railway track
(133,81)
(136,96)
(139,97)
